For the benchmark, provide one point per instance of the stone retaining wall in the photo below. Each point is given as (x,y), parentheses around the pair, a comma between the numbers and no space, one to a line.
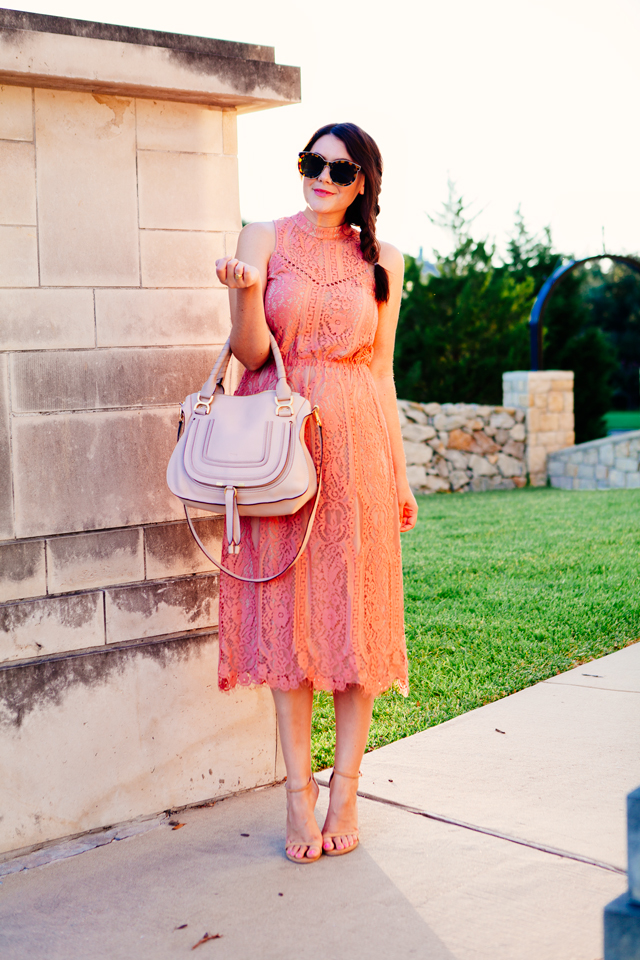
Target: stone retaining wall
(463,446)
(613,462)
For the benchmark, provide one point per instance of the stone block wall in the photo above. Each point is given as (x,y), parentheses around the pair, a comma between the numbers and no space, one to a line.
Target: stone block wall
(118,190)
(454,447)
(546,397)
(609,463)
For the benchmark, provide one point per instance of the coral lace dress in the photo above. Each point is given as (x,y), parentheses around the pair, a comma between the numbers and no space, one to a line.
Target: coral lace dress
(336,618)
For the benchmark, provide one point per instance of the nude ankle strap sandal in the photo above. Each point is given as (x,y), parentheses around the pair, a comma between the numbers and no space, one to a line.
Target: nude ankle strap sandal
(301,843)
(331,836)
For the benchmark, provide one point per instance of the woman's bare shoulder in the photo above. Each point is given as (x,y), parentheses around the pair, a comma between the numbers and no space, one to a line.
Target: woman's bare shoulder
(256,242)
(390,258)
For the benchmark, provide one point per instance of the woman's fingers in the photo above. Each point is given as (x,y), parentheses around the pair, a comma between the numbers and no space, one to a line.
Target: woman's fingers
(236,274)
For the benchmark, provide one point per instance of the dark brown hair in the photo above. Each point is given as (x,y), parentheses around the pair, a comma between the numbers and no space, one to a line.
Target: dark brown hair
(364,210)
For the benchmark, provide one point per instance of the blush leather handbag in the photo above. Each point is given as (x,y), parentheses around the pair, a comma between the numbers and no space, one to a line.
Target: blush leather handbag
(245,456)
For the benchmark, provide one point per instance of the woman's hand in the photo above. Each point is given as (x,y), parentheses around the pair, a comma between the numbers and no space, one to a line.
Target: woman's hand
(407,506)
(235,274)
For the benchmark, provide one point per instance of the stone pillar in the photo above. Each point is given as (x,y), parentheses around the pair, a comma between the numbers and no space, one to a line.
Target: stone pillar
(118,190)
(546,396)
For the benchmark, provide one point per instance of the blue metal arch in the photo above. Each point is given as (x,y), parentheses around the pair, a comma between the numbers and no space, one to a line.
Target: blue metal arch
(537,311)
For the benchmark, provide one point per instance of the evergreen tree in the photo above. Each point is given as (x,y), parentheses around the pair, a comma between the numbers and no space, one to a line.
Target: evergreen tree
(458,332)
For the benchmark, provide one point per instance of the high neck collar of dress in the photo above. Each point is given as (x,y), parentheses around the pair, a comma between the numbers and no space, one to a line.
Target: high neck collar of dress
(341,232)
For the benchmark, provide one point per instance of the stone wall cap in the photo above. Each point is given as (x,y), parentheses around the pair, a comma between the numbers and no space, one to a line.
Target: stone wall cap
(538,374)
(61,53)
(614,438)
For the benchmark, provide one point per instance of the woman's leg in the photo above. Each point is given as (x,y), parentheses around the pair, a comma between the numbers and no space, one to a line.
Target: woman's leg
(353,711)
(294,725)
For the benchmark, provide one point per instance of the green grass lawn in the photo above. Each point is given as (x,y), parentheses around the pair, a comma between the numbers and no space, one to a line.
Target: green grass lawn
(502,590)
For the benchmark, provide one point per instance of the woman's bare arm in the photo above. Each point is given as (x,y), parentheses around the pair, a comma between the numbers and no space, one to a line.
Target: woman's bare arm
(246,277)
(382,371)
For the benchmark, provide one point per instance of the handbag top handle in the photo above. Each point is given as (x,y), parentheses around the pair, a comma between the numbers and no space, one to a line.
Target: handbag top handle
(283,390)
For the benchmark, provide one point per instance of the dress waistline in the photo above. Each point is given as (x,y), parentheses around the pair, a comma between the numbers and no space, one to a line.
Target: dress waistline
(291,364)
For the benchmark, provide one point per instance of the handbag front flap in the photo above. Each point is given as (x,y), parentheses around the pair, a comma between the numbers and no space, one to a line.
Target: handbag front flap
(241,442)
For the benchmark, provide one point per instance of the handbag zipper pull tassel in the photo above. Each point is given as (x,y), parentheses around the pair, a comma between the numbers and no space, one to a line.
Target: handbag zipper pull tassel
(233,519)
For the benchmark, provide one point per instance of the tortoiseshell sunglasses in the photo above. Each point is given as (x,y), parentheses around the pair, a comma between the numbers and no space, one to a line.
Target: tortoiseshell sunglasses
(341,172)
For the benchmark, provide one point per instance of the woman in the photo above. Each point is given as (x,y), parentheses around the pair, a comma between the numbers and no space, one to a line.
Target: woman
(331,296)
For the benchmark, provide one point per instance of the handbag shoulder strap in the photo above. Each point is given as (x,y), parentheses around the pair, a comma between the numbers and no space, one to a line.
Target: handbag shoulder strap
(305,539)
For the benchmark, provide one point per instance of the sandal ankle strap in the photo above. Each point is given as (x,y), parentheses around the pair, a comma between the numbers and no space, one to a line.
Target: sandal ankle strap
(349,776)
(300,789)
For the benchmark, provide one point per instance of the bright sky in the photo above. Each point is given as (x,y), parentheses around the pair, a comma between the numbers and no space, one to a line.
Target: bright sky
(530,102)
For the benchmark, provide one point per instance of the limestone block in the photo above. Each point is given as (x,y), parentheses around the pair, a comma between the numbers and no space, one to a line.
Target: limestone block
(34,628)
(563,386)
(188,191)
(461,440)
(458,479)
(586,472)
(417,477)
(140,729)
(602,472)
(188,127)
(171,551)
(99,379)
(156,317)
(538,479)
(536,459)
(16,113)
(87,198)
(230,131)
(6,485)
(633,480)
(591,456)
(583,483)
(22,570)
(18,257)
(568,401)
(502,421)
(565,421)
(17,182)
(177,258)
(514,449)
(45,319)
(571,469)
(415,413)
(458,459)
(555,401)
(561,483)
(155,609)
(230,244)
(436,484)
(416,432)
(91,471)
(549,422)
(556,468)
(617,478)
(626,464)
(417,453)
(481,467)
(94,559)
(518,433)
(509,466)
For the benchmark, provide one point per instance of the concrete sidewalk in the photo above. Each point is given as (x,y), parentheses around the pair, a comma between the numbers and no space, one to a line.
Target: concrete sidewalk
(499,835)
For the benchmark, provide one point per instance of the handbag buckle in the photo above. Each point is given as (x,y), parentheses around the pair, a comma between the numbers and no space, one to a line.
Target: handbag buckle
(281,404)
(203,403)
